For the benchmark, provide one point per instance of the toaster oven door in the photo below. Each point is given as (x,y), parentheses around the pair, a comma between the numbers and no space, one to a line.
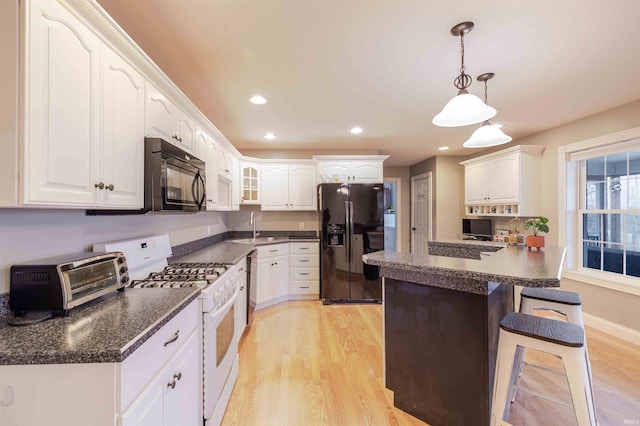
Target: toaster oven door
(89,281)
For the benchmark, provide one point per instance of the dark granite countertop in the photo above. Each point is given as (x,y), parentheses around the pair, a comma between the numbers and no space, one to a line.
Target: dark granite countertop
(107,329)
(233,250)
(513,265)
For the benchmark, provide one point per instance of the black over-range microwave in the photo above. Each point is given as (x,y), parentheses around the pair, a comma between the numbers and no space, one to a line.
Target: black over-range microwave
(174,181)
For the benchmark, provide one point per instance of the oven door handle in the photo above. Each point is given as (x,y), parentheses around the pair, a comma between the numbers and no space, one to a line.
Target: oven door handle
(212,320)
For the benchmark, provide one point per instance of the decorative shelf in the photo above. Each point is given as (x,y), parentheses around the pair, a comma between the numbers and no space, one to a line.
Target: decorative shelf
(507,210)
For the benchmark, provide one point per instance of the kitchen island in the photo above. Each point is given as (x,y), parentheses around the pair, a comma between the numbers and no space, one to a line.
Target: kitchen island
(441,322)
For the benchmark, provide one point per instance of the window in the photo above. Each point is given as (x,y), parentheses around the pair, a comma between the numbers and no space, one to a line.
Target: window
(599,180)
(610,213)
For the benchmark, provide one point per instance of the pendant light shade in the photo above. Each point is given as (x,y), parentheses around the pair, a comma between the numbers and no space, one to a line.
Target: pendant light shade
(464,109)
(487,135)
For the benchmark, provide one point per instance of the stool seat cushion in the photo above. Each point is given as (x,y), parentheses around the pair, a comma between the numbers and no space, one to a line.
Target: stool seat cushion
(559,332)
(549,295)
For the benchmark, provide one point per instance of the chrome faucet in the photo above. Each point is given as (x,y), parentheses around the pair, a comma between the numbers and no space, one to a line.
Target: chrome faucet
(252,221)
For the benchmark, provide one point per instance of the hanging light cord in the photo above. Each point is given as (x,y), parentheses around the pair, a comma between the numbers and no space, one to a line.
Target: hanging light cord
(463,80)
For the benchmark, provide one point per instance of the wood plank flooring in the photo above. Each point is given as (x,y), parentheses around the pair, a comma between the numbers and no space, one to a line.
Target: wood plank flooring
(303,363)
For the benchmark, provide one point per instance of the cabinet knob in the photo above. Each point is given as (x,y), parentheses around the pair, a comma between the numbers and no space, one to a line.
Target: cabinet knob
(180,139)
(99,185)
(171,384)
(110,187)
(178,376)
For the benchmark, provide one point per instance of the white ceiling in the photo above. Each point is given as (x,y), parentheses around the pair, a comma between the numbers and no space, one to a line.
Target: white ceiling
(387,66)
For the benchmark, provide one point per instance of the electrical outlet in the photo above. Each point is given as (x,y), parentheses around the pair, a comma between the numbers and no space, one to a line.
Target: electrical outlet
(301,225)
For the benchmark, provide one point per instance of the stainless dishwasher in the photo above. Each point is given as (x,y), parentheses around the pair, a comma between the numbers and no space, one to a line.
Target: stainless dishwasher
(252,277)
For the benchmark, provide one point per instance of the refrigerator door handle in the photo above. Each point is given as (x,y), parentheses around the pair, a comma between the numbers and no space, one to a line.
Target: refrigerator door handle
(350,232)
(347,236)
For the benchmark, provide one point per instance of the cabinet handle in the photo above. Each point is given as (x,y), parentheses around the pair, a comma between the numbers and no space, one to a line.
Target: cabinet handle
(99,185)
(178,376)
(304,273)
(304,260)
(180,139)
(174,338)
(171,384)
(304,248)
(110,187)
(304,286)
(241,288)
(272,251)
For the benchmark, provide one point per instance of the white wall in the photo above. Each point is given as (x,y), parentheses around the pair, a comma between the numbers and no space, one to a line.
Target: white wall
(273,221)
(29,234)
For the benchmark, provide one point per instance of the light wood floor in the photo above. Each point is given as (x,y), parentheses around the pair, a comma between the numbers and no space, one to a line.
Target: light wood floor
(302,363)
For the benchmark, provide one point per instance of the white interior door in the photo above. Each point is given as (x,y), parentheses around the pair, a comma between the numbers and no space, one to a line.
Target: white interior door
(420,213)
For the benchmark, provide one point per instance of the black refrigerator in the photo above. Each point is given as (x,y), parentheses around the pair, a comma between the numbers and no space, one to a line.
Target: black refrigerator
(352,224)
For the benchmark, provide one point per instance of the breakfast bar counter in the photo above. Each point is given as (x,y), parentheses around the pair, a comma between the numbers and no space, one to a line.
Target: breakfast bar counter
(441,322)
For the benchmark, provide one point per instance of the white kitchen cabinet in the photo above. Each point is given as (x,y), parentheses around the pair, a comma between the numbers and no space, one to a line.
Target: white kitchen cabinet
(169,399)
(504,183)
(133,392)
(224,163)
(163,119)
(235,182)
(250,181)
(288,187)
(304,270)
(350,168)
(273,275)
(207,150)
(63,108)
(83,116)
(122,133)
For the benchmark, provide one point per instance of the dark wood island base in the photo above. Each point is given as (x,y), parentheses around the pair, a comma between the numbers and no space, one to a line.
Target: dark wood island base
(442,316)
(440,349)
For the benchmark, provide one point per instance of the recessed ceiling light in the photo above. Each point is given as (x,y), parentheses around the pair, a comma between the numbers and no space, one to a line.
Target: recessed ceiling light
(443,148)
(269,136)
(356,130)
(258,100)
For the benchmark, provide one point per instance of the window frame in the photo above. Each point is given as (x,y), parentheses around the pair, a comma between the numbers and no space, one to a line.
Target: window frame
(570,203)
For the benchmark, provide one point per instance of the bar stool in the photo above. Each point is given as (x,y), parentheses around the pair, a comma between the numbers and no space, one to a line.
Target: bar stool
(565,303)
(559,338)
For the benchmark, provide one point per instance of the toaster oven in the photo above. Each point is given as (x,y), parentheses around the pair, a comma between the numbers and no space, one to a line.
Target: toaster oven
(61,283)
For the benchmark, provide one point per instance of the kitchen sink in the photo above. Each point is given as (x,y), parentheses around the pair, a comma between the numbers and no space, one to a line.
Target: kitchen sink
(259,240)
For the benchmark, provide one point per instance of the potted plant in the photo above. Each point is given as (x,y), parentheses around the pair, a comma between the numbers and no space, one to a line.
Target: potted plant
(538,224)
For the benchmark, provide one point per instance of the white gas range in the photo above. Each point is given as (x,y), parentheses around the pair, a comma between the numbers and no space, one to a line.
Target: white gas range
(220,285)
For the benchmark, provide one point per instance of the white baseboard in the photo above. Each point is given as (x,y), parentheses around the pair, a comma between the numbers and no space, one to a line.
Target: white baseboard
(621,332)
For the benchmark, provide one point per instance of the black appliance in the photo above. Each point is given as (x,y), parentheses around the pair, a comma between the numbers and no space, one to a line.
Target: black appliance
(252,279)
(352,218)
(174,180)
(477,229)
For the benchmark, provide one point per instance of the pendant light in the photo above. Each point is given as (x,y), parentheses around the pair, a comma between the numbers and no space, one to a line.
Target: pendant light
(488,134)
(464,109)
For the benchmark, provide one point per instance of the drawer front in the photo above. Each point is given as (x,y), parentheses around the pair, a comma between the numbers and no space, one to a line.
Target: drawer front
(273,250)
(146,361)
(304,248)
(304,287)
(303,274)
(304,260)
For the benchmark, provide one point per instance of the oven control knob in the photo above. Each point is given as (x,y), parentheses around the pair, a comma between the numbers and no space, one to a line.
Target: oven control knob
(124,279)
(121,259)
(123,269)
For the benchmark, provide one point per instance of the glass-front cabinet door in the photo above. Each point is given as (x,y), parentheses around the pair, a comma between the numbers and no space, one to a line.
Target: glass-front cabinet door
(250,183)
